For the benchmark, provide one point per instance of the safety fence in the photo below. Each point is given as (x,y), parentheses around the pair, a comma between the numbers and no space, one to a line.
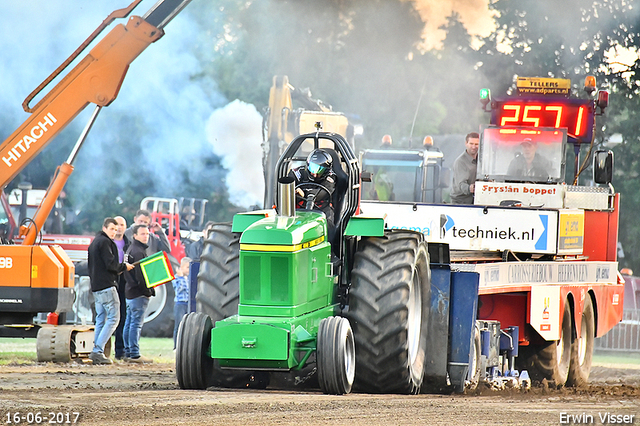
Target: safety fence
(624,337)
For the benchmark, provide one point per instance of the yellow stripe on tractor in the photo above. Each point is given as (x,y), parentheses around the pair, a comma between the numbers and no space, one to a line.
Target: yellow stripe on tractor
(281,248)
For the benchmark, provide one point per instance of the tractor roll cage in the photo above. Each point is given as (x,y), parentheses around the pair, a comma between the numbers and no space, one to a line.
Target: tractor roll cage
(345,165)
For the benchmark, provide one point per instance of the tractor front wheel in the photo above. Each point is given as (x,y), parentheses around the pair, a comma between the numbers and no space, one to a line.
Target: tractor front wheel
(194,366)
(218,296)
(336,356)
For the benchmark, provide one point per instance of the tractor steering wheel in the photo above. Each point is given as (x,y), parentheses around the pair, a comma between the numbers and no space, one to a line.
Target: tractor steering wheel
(311,198)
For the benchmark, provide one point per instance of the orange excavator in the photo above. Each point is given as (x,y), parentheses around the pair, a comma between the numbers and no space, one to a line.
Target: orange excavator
(40,278)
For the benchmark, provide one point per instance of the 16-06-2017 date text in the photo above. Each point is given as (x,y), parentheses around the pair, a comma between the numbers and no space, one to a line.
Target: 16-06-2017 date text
(36,418)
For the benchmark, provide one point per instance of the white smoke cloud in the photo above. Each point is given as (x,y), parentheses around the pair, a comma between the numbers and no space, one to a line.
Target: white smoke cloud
(158,93)
(174,113)
(235,134)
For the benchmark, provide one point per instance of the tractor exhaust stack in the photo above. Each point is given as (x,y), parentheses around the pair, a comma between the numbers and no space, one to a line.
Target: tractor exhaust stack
(286,202)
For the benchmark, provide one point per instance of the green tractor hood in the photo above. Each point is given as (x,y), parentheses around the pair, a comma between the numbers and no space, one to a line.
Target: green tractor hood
(282,233)
(285,266)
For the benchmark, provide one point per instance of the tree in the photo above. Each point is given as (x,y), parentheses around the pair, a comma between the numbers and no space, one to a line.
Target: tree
(356,55)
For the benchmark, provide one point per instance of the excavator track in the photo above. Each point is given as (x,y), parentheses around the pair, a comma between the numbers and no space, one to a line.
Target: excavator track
(63,343)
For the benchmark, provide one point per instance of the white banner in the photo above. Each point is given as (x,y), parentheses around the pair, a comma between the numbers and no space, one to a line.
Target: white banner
(538,273)
(474,227)
(525,194)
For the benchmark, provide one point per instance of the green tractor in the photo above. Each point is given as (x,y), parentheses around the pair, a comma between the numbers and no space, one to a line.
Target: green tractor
(285,291)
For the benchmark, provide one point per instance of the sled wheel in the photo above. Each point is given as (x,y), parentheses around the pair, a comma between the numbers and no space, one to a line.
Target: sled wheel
(551,360)
(582,347)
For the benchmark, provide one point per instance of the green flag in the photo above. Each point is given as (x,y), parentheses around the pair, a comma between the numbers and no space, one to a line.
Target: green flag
(156,269)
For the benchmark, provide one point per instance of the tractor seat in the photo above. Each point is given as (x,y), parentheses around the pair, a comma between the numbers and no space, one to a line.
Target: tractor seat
(337,200)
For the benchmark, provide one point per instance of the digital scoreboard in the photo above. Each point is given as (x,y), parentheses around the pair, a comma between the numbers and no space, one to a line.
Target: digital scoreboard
(575,115)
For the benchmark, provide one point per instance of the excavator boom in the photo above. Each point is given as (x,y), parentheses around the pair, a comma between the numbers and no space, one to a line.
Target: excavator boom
(41,278)
(95,79)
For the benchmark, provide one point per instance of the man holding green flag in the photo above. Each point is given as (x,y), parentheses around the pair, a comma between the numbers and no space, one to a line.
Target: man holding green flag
(137,295)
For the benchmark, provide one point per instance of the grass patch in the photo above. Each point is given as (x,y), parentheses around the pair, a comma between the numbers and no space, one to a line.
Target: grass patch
(23,351)
(616,358)
(17,351)
(160,349)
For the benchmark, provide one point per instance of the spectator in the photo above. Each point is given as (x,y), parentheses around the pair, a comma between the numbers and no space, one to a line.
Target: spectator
(157,240)
(122,243)
(187,216)
(104,268)
(181,291)
(137,294)
(464,171)
(386,142)
(194,250)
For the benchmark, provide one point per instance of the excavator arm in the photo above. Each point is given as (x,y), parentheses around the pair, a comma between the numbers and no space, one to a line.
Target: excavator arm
(282,123)
(96,79)
(40,278)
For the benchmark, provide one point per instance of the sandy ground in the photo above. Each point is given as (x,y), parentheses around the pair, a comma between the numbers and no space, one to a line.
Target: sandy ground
(126,394)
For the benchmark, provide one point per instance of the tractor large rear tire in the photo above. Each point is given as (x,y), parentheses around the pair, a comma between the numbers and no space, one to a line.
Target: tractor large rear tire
(218,295)
(218,279)
(194,366)
(389,303)
(550,360)
(582,347)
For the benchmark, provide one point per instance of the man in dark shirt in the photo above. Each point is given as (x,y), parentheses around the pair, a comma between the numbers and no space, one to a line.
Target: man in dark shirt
(137,294)
(464,171)
(104,268)
(158,240)
(529,164)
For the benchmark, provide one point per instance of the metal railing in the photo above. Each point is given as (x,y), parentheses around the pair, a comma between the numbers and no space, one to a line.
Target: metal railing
(624,337)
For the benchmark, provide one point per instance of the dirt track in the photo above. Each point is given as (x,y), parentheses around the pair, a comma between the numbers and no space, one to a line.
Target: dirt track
(126,394)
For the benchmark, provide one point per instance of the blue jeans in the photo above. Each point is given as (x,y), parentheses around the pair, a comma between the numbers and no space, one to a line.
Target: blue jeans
(107,317)
(123,318)
(133,325)
(180,309)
